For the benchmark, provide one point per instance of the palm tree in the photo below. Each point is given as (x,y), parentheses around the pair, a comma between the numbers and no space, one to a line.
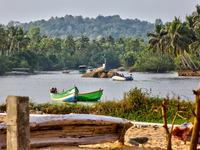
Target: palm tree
(22,39)
(196,16)
(12,31)
(103,40)
(83,43)
(156,39)
(110,39)
(70,43)
(178,39)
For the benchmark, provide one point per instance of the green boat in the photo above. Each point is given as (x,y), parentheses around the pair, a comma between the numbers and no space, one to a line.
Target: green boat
(90,97)
(82,69)
(67,96)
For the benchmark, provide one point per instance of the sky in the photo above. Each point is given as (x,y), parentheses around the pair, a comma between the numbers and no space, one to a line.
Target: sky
(26,11)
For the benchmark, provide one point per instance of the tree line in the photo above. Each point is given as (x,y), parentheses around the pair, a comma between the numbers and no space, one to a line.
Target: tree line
(176,40)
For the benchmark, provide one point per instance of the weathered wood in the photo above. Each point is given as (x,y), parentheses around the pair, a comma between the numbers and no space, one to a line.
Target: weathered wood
(95,139)
(74,129)
(76,119)
(18,129)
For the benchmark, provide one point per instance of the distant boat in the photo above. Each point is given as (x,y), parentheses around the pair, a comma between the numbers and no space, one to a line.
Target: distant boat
(20,71)
(82,69)
(67,96)
(89,97)
(118,78)
(65,70)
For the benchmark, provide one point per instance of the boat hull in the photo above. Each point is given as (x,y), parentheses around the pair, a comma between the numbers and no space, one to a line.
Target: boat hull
(118,78)
(65,71)
(89,97)
(82,71)
(67,96)
(20,73)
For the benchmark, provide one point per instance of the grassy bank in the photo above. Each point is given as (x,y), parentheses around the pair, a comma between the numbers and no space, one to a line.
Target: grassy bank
(136,105)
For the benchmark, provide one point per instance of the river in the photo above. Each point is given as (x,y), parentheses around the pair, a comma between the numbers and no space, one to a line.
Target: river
(37,86)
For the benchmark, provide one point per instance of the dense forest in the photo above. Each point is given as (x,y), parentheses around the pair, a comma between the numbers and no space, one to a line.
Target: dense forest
(94,29)
(168,47)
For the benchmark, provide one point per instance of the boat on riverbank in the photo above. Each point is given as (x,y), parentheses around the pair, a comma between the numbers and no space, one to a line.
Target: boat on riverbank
(118,78)
(90,96)
(20,71)
(67,96)
(72,129)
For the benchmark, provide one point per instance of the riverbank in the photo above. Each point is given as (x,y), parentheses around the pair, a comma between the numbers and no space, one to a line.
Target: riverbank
(188,73)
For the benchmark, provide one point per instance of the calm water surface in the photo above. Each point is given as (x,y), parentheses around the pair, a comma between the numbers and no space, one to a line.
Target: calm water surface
(36,87)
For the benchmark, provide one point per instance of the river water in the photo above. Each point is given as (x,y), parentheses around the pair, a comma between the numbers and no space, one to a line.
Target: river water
(36,87)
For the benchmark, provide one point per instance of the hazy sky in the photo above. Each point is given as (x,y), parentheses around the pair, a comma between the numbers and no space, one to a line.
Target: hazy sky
(147,10)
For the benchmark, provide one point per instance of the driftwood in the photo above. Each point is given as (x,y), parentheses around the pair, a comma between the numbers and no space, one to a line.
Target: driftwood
(72,129)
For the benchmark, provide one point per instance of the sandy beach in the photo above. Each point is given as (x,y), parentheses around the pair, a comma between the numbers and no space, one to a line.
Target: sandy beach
(155,135)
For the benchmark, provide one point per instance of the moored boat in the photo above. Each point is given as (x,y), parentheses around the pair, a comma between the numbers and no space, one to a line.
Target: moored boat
(90,96)
(82,69)
(65,70)
(20,71)
(118,78)
(67,96)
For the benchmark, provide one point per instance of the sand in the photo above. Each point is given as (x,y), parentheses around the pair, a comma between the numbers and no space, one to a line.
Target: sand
(156,141)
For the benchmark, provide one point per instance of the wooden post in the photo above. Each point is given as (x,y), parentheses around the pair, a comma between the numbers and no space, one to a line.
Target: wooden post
(195,132)
(18,128)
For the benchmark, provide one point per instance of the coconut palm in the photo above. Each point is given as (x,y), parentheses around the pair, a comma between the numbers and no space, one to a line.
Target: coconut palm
(70,43)
(110,39)
(22,39)
(196,16)
(12,31)
(196,44)
(178,39)
(157,41)
(82,43)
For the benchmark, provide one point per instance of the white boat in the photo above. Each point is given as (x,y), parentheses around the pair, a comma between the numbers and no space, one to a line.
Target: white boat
(118,78)
(65,70)
(20,71)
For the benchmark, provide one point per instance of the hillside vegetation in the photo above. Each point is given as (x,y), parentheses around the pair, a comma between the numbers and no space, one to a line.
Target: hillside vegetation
(93,28)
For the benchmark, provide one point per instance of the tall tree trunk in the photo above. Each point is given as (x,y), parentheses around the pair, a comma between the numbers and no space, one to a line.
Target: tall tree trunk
(187,62)
(174,61)
(192,61)
(183,62)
